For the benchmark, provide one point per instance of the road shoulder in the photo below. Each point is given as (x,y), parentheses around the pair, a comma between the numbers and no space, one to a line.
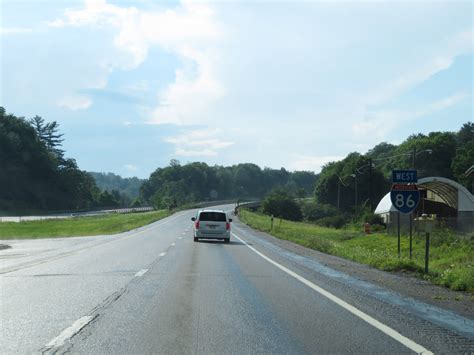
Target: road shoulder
(404,284)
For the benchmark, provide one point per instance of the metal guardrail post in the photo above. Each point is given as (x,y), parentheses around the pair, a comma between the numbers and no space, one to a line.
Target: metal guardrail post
(427,251)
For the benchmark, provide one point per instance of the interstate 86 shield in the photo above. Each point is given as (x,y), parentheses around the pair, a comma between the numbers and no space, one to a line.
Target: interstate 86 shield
(405,197)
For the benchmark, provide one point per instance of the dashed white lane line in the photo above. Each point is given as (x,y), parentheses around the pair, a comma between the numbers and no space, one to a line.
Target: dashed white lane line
(173,244)
(68,333)
(141,273)
(410,344)
(163,254)
(180,237)
(87,248)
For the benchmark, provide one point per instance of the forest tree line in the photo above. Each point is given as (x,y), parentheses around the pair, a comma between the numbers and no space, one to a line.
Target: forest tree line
(177,184)
(36,176)
(445,154)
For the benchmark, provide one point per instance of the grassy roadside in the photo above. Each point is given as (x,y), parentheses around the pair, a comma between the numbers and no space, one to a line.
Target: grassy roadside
(451,258)
(80,226)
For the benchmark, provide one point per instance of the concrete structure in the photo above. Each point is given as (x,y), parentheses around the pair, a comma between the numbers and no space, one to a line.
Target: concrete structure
(450,202)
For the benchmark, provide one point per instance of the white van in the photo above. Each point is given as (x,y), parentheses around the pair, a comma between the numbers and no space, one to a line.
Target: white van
(211,224)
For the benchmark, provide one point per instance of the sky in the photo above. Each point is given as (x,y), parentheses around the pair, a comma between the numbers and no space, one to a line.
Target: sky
(294,84)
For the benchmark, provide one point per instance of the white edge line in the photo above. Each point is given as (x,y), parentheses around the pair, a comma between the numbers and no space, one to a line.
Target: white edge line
(159,223)
(372,321)
(141,273)
(163,254)
(69,332)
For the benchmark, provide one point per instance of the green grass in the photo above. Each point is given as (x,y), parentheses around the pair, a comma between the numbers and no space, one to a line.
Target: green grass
(451,257)
(80,226)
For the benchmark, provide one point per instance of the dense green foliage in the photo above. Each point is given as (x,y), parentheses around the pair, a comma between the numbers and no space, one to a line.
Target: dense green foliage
(279,203)
(451,255)
(446,154)
(129,188)
(35,175)
(80,226)
(177,184)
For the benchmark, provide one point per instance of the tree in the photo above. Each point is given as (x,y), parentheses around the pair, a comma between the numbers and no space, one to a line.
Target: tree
(465,134)
(281,204)
(34,175)
(129,188)
(463,160)
(313,211)
(336,180)
(48,134)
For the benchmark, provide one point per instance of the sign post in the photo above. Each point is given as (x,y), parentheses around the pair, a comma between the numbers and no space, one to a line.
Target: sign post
(426,225)
(405,196)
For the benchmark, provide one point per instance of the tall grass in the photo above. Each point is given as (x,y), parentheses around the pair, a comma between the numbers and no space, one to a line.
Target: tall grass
(451,256)
(80,226)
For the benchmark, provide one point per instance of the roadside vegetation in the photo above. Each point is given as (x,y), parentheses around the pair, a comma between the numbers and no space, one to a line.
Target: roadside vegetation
(451,255)
(79,226)
(37,177)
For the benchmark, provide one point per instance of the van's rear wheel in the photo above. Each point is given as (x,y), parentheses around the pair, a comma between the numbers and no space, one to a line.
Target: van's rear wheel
(227,240)
(196,239)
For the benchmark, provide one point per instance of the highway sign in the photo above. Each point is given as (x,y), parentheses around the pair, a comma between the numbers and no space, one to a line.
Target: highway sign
(404,176)
(404,197)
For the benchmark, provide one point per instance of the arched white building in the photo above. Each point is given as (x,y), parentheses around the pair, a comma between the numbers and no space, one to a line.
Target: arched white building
(451,202)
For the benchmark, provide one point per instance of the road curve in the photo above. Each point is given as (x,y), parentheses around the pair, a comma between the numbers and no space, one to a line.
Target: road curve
(154,290)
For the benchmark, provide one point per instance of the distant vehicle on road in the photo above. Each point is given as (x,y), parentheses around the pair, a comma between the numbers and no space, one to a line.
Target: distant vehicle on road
(211,224)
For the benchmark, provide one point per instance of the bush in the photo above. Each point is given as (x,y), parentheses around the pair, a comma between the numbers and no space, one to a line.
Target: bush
(136,203)
(281,204)
(337,221)
(372,218)
(312,211)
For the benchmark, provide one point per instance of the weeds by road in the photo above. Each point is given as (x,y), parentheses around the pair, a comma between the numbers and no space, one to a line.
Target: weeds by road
(451,257)
(79,226)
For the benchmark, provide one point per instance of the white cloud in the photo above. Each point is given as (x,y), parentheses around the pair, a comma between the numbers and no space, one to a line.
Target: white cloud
(75,102)
(139,86)
(130,167)
(410,79)
(446,102)
(300,81)
(202,142)
(187,30)
(454,46)
(380,123)
(187,100)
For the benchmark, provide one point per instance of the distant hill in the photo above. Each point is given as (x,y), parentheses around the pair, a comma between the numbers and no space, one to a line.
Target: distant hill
(126,186)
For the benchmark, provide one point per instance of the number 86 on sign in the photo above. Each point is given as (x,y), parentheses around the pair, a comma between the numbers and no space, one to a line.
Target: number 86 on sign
(404,197)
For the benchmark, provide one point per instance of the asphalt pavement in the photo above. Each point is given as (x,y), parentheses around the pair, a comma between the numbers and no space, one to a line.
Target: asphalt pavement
(154,290)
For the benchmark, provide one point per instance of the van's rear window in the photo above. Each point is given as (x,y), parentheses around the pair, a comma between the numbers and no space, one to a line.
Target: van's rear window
(212,216)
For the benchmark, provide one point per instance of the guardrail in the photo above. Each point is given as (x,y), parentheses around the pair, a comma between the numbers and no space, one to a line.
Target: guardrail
(73,214)
(252,204)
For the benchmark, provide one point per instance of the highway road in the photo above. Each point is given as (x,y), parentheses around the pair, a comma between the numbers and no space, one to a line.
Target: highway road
(154,290)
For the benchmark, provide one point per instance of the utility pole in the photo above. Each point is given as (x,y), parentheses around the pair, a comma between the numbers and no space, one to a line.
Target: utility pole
(355,188)
(338,192)
(411,214)
(370,184)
